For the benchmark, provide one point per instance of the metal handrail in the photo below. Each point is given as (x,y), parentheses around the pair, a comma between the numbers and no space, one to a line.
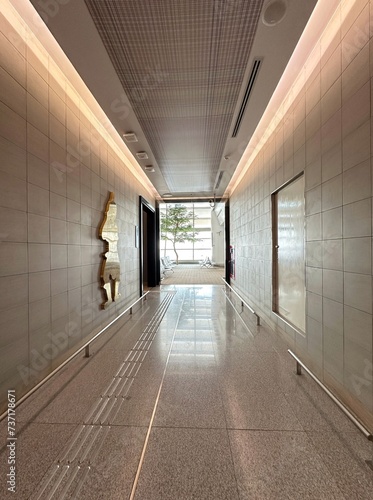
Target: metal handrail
(345,410)
(85,346)
(243,303)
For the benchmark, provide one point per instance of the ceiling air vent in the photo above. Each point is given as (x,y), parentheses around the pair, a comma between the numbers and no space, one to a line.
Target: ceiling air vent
(130,137)
(253,75)
(219,179)
(141,155)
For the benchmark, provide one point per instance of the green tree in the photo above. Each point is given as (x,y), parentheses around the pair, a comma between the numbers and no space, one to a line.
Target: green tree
(177,226)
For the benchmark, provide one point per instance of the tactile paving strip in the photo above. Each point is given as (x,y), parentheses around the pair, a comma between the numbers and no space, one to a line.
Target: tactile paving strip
(66,476)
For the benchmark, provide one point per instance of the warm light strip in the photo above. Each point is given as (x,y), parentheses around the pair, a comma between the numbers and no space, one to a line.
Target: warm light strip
(34,32)
(287,89)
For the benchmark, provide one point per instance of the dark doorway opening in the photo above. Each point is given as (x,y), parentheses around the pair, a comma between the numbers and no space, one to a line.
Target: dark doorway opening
(148,246)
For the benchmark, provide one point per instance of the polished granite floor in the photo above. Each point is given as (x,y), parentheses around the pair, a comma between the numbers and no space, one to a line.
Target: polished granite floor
(186,399)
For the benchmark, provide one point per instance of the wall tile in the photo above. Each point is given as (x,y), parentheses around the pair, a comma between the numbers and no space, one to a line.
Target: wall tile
(332,224)
(58,229)
(314,306)
(356,146)
(37,86)
(58,206)
(74,255)
(356,110)
(313,121)
(357,183)
(12,126)
(331,71)
(356,75)
(12,61)
(38,229)
(38,257)
(37,114)
(357,219)
(331,101)
(74,277)
(12,192)
(354,30)
(73,233)
(314,280)
(73,185)
(38,61)
(334,317)
(12,93)
(37,172)
(314,254)
(37,143)
(331,132)
(13,159)
(358,291)
(313,201)
(14,255)
(313,227)
(58,169)
(332,285)
(313,174)
(332,254)
(57,131)
(39,314)
(331,193)
(13,225)
(56,106)
(59,306)
(333,353)
(39,286)
(357,255)
(18,296)
(73,211)
(313,148)
(58,256)
(38,200)
(58,281)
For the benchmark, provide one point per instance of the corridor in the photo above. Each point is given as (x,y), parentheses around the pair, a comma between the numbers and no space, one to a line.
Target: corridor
(186,399)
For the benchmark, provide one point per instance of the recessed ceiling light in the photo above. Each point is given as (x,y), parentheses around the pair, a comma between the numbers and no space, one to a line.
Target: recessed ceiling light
(149,168)
(167,195)
(274,12)
(130,137)
(141,155)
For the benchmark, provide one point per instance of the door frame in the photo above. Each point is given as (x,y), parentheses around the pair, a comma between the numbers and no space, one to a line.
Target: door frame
(153,250)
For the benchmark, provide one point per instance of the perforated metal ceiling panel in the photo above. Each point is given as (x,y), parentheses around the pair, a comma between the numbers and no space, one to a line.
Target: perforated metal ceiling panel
(181,64)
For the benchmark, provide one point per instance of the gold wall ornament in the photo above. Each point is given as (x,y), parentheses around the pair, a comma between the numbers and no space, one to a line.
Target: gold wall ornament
(110,265)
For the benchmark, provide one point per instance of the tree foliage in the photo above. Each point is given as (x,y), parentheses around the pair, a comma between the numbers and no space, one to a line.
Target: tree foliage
(177,226)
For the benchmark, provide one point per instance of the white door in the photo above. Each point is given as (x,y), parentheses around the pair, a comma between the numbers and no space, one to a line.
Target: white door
(289,258)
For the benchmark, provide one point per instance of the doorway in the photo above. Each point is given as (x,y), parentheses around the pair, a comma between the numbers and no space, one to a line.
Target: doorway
(148,246)
(289,287)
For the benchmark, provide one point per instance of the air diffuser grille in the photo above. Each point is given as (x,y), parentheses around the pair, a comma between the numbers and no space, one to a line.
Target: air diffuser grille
(253,76)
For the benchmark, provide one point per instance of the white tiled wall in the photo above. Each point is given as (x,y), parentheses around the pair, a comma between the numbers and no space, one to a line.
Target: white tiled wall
(56,171)
(327,133)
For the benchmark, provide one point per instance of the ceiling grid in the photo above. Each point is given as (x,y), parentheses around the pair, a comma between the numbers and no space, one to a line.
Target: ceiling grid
(182,66)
